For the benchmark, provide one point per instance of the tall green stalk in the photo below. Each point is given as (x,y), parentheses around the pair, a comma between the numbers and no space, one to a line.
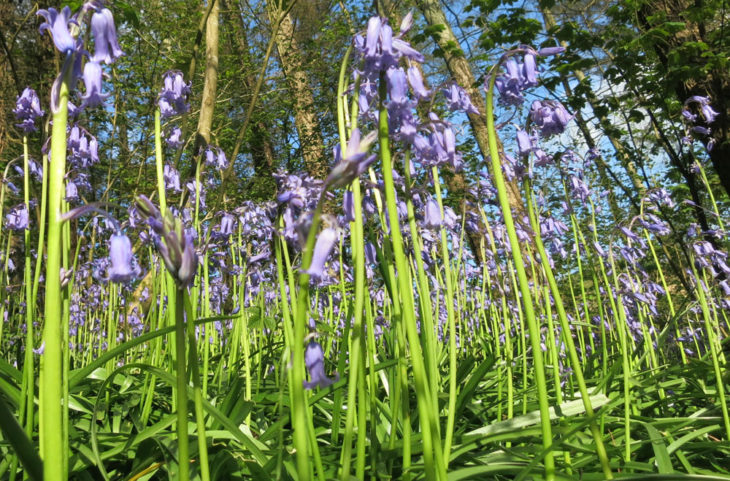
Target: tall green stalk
(51,375)
(358,351)
(28,366)
(499,183)
(426,404)
(183,449)
(451,320)
(567,336)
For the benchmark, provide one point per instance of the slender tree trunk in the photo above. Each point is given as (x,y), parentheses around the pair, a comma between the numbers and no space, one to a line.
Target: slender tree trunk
(305,115)
(207,105)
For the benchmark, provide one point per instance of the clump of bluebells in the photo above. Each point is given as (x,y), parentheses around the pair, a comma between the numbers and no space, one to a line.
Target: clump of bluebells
(63,27)
(174,242)
(28,110)
(235,244)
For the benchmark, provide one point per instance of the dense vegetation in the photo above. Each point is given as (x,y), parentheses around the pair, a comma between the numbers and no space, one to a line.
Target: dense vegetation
(332,240)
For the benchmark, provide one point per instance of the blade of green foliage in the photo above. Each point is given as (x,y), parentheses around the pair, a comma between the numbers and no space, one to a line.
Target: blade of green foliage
(22,446)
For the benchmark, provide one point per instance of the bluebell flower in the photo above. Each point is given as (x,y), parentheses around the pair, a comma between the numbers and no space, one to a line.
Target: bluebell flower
(458,99)
(17,218)
(27,110)
(173,139)
(57,24)
(174,94)
(524,143)
(348,205)
(416,80)
(227,225)
(322,249)
(356,160)
(122,267)
(92,81)
(432,216)
(215,157)
(174,243)
(172,178)
(705,108)
(106,46)
(550,117)
(72,191)
(314,361)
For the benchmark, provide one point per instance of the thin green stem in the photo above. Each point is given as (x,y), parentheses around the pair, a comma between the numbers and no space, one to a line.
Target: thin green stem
(51,375)
(183,450)
(522,277)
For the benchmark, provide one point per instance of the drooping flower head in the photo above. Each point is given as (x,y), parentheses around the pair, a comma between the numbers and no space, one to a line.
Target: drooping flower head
(550,117)
(432,216)
(314,360)
(174,138)
(520,75)
(17,218)
(173,241)
(122,268)
(322,249)
(172,178)
(706,109)
(215,157)
(106,46)
(458,99)
(355,161)
(27,110)
(83,148)
(57,23)
(380,51)
(93,77)
(174,94)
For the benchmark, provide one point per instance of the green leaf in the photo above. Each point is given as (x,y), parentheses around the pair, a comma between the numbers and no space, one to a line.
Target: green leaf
(23,447)
(661,455)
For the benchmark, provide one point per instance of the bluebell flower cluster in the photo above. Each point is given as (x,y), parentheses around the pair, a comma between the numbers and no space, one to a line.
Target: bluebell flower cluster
(27,110)
(65,30)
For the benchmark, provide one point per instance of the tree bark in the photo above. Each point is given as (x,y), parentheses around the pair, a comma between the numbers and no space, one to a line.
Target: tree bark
(305,115)
(207,104)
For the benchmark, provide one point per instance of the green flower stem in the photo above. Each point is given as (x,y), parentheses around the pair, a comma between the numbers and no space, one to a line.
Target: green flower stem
(65,323)
(618,306)
(158,163)
(703,175)
(28,365)
(300,417)
(197,390)
(356,384)
(51,375)
(451,320)
(522,277)
(714,347)
(428,330)
(426,404)
(565,327)
(176,307)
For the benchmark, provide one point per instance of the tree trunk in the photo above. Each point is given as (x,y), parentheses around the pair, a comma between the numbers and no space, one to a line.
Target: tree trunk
(305,116)
(207,105)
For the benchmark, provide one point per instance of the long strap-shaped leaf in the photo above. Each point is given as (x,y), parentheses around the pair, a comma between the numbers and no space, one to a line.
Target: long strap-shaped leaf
(21,444)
